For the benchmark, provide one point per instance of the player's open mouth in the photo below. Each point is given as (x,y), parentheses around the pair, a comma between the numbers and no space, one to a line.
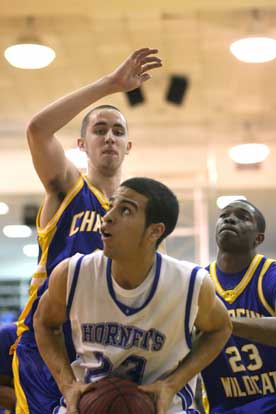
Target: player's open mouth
(105,234)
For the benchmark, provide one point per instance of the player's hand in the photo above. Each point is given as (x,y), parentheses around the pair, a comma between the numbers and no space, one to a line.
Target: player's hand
(134,70)
(163,395)
(72,395)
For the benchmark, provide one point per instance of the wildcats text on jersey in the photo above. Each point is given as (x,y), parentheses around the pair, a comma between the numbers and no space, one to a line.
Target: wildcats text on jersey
(122,336)
(262,384)
(241,312)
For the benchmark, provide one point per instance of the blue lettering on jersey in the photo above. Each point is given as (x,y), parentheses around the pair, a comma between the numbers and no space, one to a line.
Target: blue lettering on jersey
(122,336)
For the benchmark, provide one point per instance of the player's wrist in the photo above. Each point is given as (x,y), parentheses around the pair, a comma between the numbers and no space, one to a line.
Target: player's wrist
(173,384)
(112,84)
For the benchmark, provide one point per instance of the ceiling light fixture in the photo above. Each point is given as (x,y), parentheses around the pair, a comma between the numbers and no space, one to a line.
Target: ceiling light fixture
(249,153)
(17,231)
(254,49)
(4,208)
(29,52)
(29,55)
(30,250)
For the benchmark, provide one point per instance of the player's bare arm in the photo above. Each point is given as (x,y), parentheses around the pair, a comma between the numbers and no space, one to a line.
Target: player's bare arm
(48,321)
(54,170)
(215,328)
(262,330)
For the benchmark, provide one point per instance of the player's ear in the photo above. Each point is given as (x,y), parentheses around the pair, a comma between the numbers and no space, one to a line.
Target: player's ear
(259,238)
(155,231)
(128,147)
(81,144)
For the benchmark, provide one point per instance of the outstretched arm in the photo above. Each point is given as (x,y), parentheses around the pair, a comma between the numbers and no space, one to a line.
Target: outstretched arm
(262,330)
(55,171)
(214,324)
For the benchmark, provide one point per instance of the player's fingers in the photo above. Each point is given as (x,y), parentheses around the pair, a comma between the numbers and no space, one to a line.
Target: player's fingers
(150,66)
(150,59)
(144,77)
(89,387)
(149,388)
(138,52)
(143,53)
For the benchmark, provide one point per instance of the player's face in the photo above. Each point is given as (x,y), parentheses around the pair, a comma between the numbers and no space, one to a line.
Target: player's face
(236,229)
(106,142)
(123,229)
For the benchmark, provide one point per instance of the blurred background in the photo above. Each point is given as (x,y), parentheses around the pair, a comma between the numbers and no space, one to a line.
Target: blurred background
(183,122)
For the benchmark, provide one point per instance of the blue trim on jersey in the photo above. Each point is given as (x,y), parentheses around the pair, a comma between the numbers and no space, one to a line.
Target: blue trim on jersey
(186,395)
(188,306)
(73,286)
(127,310)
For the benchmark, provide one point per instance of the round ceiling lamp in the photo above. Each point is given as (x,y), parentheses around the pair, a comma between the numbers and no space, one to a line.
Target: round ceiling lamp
(29,55)
(254,49)
(249,153)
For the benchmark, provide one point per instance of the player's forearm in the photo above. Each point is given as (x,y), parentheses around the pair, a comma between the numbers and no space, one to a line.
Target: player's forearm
(53,351)
(261,330)
(204,350)
(59,113)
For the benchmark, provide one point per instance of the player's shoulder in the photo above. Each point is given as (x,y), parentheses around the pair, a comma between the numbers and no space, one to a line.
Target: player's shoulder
(270,264)
(184,266)
(96,256)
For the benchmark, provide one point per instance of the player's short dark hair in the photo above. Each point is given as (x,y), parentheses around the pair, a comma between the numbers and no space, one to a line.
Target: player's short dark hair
(85,120)
(162,205)
(261,224)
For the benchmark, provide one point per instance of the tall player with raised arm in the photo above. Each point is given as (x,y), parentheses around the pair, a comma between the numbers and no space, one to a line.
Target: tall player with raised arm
(70,218)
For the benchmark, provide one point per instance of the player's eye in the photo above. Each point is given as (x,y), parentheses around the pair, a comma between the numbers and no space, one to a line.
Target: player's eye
(100,131)
(118,132)
(126,211)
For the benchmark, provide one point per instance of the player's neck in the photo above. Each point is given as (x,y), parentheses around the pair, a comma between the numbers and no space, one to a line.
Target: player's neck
(107,184)
(131,272)
(234,262)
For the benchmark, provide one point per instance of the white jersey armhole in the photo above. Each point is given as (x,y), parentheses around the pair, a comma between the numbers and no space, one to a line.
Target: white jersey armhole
(201,274)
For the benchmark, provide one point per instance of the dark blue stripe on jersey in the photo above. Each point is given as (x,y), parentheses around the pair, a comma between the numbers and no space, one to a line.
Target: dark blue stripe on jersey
(73,286)
(187,396)
(188,306)
(183,400)
(127,310)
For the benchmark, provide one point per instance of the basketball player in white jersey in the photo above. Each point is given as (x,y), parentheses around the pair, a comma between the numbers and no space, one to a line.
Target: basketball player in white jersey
(132,309)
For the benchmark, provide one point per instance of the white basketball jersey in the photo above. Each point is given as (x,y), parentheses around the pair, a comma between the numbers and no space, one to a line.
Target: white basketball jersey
(143,344)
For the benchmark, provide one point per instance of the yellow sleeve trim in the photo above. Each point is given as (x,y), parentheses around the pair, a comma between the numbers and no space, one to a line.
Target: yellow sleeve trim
(266,266)
(21,400)
(65,202)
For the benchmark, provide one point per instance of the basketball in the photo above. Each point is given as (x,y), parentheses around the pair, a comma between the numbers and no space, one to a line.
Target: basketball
(114,395)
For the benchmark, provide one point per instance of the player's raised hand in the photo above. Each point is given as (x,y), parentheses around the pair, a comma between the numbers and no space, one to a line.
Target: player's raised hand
(134,70)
